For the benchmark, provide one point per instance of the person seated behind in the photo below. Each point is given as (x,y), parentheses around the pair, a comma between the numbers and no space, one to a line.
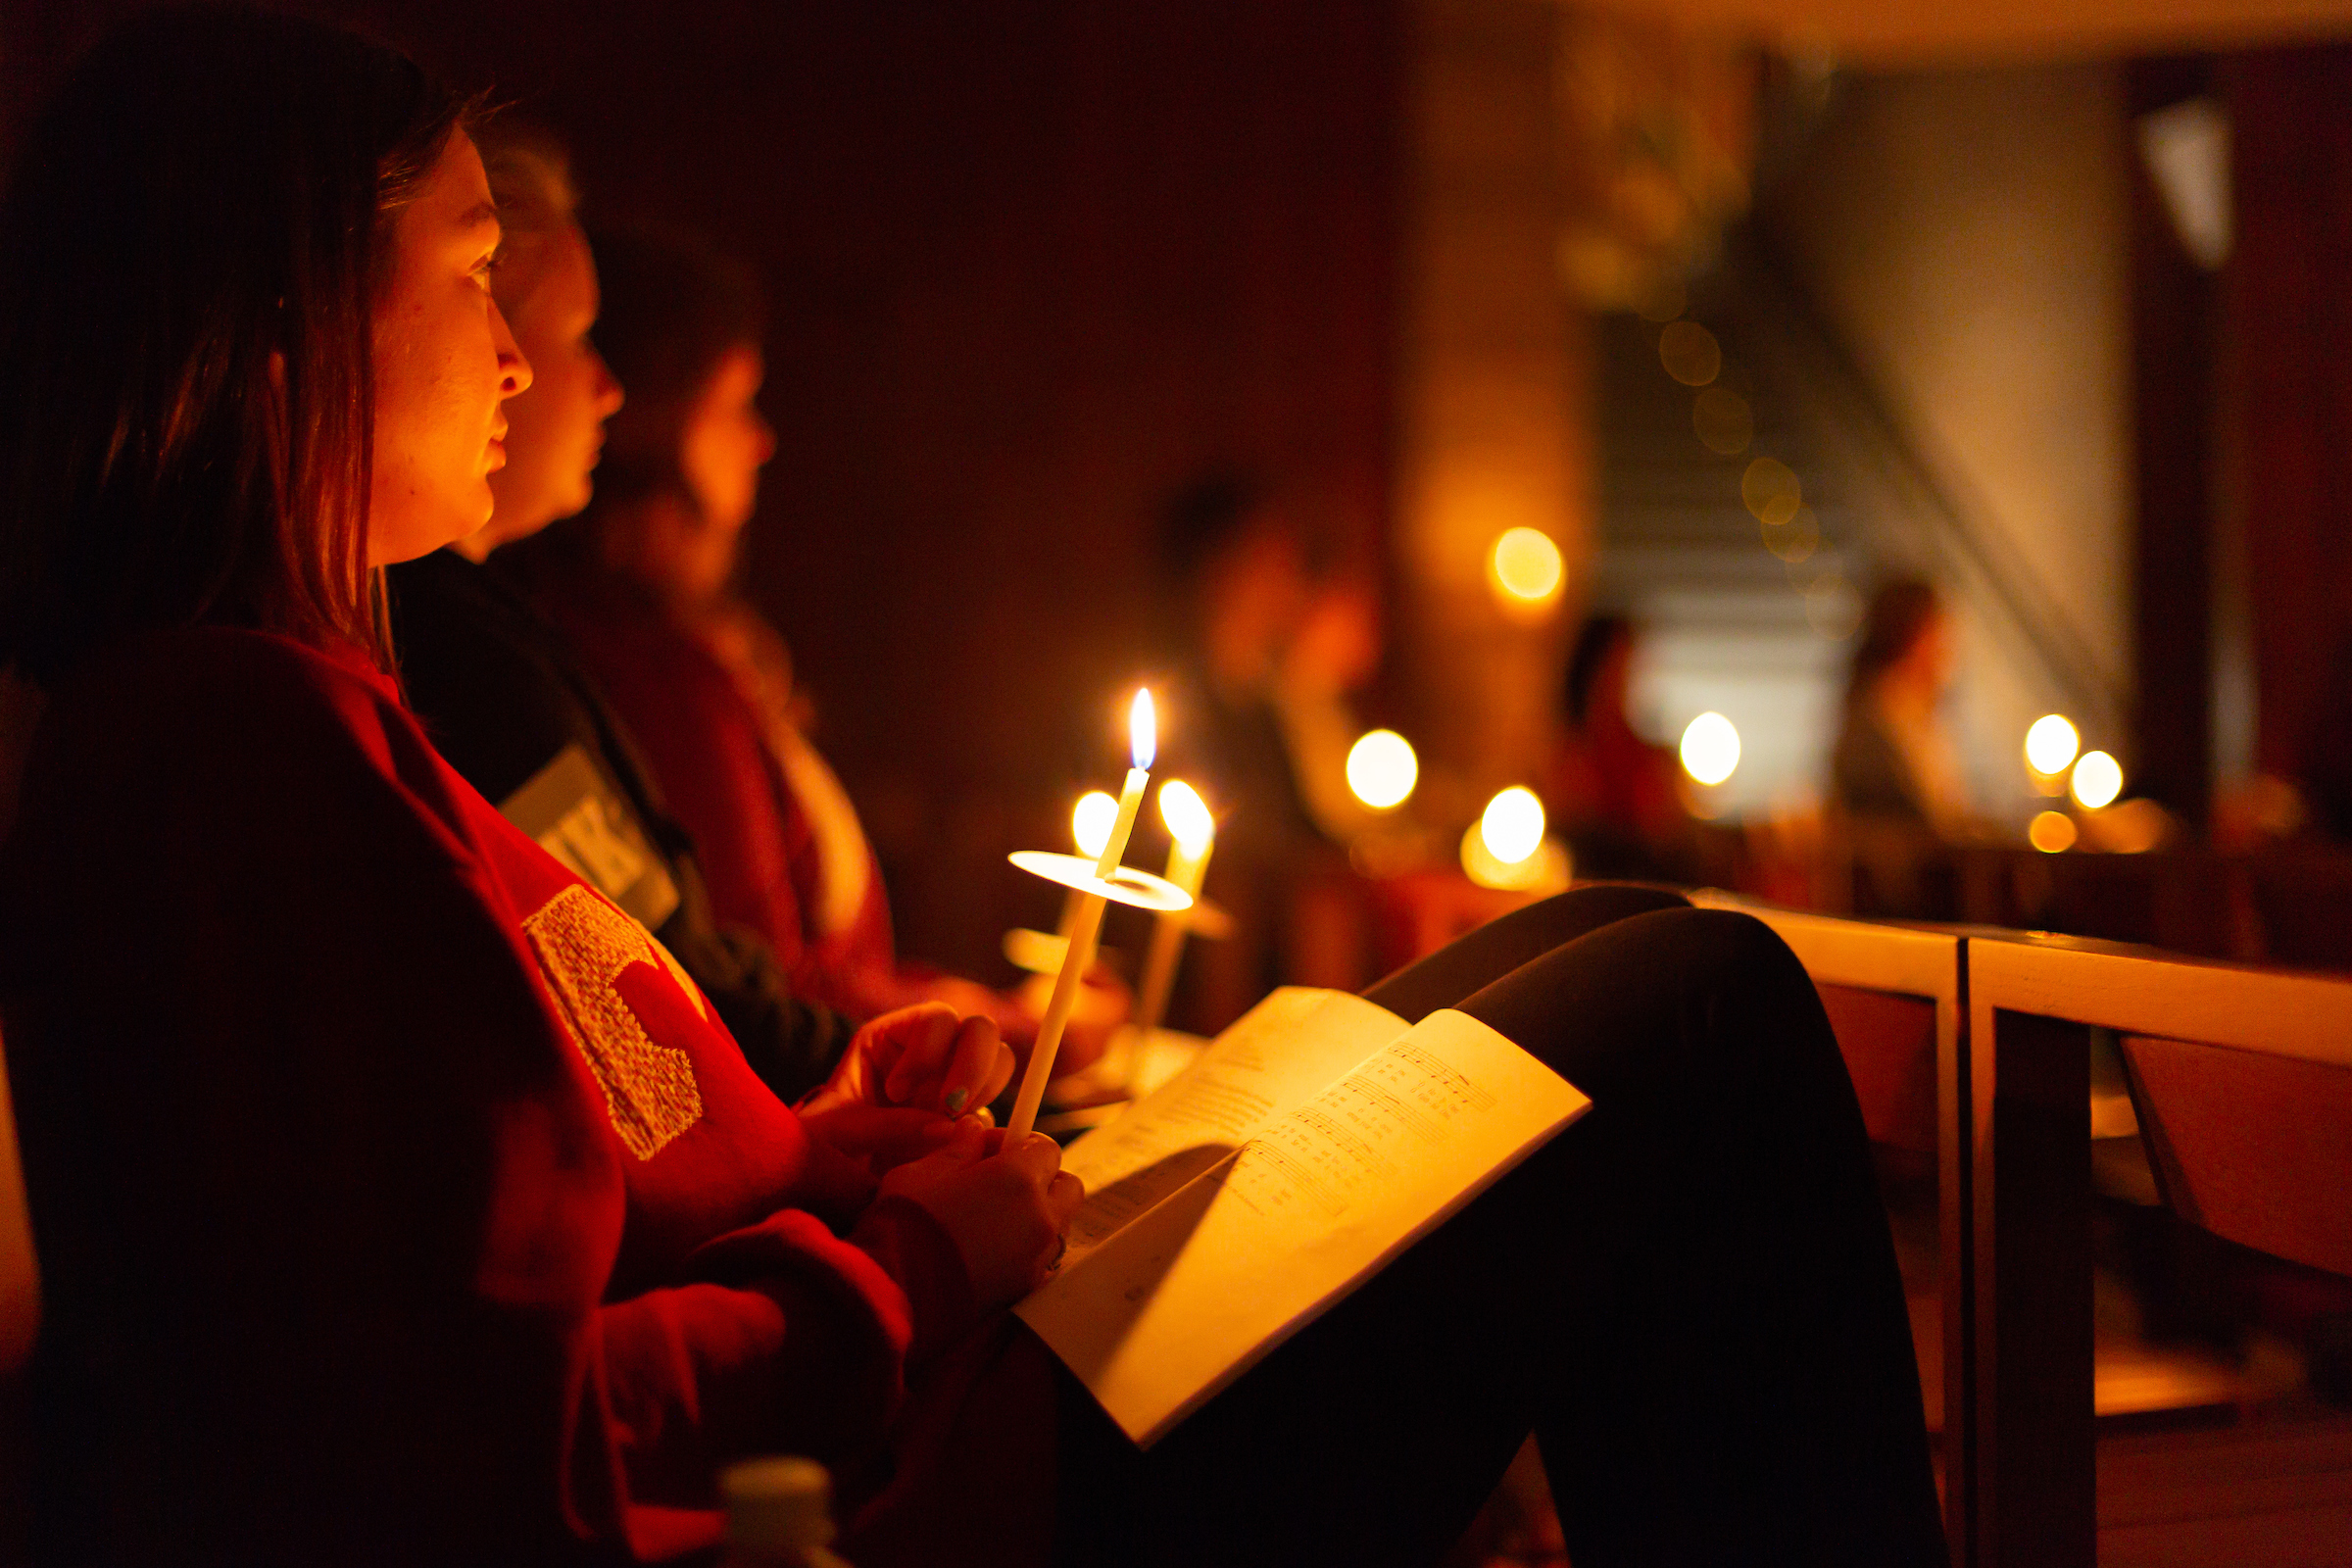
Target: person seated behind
(642,584)
(401,1201)
(1616,796)
(1896,779)
(1260,650)
(507,698)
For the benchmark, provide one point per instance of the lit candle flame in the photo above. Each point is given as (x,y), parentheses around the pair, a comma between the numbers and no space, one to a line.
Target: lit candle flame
(1187,815)
(1143,729)
(1090,821)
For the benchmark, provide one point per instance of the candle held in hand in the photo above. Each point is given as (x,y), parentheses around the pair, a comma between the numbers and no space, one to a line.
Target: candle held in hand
(1143,732)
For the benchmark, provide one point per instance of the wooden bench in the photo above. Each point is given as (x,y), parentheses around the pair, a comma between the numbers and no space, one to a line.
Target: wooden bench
(2241,1081)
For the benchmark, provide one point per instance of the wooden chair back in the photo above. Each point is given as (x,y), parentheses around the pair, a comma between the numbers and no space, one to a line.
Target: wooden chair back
(2242,1082)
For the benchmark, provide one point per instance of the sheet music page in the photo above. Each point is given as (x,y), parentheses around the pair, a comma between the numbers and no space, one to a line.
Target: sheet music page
(1248,1244)
(1280,1052)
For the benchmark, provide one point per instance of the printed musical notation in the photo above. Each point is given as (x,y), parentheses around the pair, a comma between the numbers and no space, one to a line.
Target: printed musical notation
(1354,1134)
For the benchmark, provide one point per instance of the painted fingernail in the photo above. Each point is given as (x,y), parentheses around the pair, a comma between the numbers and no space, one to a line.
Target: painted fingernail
(956,1099)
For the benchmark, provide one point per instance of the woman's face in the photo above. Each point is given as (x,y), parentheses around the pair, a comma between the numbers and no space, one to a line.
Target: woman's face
(727,440)
(445,365)
(557,430)
(724,445)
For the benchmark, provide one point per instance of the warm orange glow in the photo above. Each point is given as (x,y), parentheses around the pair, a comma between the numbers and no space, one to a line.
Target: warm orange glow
(1690,353)
(1795,539)
(1667,299)
(2098,779)
(2051,744)
(2052,832)
(1710,748)
(1832,606)
(1526,565)
(1772,492)
(1543,869)
(1090,821)
(2136,827)
(1726,425)
(1187,815)
(1143,728)
(1382,769)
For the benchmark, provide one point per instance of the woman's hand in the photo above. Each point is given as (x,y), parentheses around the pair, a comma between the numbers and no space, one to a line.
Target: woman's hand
(923,1058)
(905,1080)
(1006,1206)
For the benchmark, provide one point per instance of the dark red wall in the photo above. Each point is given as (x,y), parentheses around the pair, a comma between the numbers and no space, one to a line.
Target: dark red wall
(1032,264)
(2290,302)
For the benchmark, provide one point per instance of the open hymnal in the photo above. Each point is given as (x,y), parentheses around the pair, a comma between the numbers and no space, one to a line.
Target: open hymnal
(1310,1144)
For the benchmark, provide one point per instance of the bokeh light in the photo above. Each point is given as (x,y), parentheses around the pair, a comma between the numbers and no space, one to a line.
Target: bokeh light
(1664,300)
(1092,820)
(2052,832)
(1512,828)
(1795,539)
(2098,779)
(1771,490)
(1382,769)
(1725,423)
(2051,744)
(1187,815)
(1690,353)
(1526,565)
(1710,748)
(1546,870)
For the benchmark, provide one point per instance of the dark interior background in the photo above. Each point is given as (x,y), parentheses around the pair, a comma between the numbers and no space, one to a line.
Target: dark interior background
(1031,264)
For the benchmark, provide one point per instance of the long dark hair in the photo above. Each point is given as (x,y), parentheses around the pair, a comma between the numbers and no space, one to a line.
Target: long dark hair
(673,306)
(189,254)
(1899,612)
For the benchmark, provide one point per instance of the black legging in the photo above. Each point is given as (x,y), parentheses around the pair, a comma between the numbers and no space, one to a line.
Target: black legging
(1688,1297)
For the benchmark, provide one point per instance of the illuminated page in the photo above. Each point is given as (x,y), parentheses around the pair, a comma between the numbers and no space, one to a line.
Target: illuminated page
(1169,1307)
(1281,1051)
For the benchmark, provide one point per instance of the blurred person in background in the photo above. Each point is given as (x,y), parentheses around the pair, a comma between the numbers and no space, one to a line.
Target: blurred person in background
(1897,789)
(1263,647)
(643,582)
(1617,797)
(504,694)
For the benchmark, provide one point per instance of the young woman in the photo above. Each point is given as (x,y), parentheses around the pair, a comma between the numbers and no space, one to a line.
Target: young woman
(400,1201)
(397,1199)
(504,694)
(1896,781)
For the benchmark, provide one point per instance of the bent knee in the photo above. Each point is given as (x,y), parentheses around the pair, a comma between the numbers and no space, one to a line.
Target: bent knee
(1727,947)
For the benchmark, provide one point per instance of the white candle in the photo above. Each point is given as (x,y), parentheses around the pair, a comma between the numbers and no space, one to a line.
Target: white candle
(1142,740)
(1195,834)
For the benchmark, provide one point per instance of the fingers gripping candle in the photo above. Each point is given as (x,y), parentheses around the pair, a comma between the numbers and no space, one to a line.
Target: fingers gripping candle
(1143,733)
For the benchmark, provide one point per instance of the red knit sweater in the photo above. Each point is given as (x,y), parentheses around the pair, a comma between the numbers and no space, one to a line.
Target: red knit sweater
(398,1198)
